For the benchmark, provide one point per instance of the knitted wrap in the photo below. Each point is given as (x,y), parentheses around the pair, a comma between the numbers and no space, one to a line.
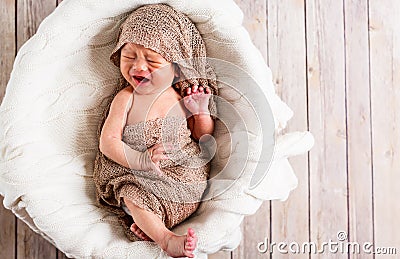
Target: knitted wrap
(172,35)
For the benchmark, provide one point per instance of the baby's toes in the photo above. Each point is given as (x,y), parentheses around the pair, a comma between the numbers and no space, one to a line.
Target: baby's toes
(190,246)
(191,240)
(191,233)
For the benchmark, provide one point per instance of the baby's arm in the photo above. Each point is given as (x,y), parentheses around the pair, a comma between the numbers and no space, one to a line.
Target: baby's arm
(201,122)
(111,144)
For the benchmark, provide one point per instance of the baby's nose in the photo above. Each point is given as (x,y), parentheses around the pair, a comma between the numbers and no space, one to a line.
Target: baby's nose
(140,65)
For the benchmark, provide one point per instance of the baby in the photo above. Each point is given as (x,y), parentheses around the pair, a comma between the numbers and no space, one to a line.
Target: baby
(149,161)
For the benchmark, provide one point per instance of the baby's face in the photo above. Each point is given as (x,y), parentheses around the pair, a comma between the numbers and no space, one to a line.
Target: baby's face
(146,70)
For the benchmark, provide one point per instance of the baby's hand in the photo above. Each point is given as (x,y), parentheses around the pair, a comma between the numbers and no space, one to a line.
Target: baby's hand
(157,153)
(196,100)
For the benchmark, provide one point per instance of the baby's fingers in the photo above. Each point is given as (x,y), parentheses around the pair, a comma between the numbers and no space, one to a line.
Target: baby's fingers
(159,154)
(160,151)
(194,88)
(157,157)
(170,148)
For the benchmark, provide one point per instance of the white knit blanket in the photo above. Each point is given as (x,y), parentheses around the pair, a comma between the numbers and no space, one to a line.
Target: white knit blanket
(49,116)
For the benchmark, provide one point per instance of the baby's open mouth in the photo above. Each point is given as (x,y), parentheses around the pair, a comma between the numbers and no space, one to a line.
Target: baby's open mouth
(141,79)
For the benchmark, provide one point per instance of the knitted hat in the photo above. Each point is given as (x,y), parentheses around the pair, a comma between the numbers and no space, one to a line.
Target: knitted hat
(172,35)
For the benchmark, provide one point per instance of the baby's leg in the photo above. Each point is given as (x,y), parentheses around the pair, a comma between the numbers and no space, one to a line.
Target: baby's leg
(154,228)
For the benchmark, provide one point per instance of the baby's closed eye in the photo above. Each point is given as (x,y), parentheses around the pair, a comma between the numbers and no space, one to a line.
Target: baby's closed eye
(128,57)
(153,61)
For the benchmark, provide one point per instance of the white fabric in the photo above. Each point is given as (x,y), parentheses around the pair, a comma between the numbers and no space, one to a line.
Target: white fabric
(51,109)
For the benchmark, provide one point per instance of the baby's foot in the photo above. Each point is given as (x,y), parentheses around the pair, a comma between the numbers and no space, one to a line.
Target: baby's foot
(139,233)
(181,246)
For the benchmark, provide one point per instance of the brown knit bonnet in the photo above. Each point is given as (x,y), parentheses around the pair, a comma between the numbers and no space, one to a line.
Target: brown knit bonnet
(172,35)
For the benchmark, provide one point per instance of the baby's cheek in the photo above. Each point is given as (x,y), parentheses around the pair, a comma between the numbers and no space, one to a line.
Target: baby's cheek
(124,70)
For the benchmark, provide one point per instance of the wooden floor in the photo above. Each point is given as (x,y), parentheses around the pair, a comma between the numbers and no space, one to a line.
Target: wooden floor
(337,65)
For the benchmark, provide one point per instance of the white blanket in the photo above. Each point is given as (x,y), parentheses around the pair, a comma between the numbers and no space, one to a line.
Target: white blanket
(49,116)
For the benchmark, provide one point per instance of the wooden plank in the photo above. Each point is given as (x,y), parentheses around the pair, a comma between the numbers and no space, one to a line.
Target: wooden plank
(358,124)
(327,116)
(287,59)
(385,114)
(255,20)
(220,255)
(7,47)
(7,54)
(256,227)
(61,255)
(30,13)
(32,245)
(7,232)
